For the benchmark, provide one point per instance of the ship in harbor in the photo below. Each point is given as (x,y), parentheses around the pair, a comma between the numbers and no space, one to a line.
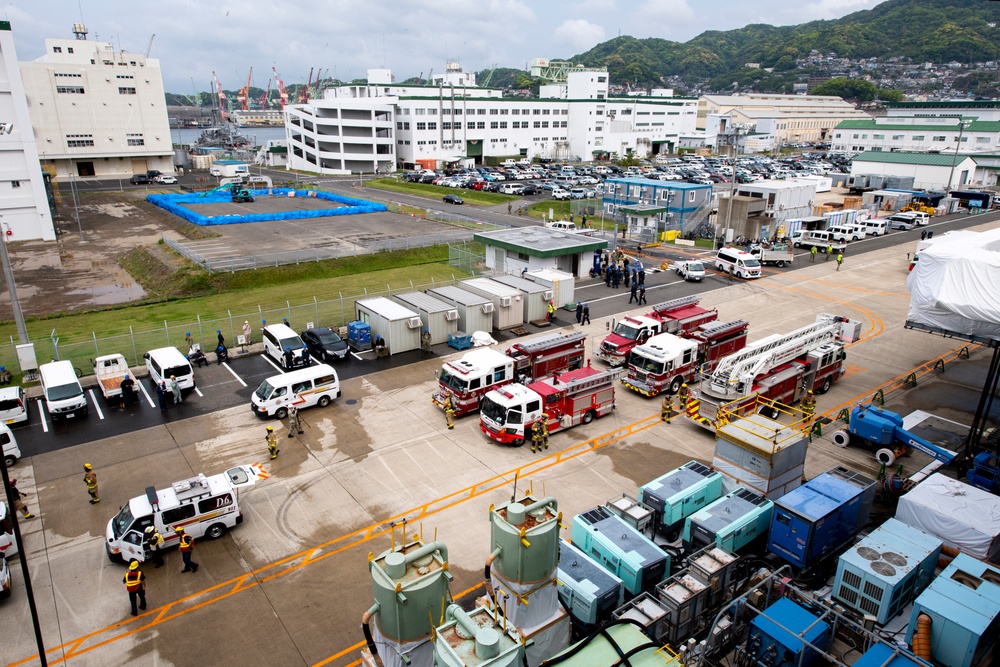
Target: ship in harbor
(225,136)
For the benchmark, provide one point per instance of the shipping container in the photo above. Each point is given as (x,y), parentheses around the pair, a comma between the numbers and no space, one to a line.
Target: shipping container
(507,310)
(535,296)
(562,284)
(398,326)
(439,317)
(475,313)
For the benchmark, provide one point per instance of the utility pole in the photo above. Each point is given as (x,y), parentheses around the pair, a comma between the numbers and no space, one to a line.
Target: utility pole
(8,271)
(962,124)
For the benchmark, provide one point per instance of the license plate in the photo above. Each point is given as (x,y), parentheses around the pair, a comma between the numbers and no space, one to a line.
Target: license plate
(9,421)
(70,416)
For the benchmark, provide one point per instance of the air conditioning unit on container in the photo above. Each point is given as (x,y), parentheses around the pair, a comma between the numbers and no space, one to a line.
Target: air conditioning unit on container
(451,315)
(505,302)
(488,308)
(414,323)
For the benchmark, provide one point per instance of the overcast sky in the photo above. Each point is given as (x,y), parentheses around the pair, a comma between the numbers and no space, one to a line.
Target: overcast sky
(194,37)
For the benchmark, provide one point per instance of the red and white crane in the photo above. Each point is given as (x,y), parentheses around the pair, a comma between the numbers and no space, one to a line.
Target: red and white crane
(265,99)
(282,93)
(223,110)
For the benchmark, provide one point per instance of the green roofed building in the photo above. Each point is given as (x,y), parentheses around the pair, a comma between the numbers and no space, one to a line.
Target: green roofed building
(534,248)
(930,171)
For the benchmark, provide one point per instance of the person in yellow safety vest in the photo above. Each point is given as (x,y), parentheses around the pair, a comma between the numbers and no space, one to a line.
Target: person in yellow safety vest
(683,394)
(666,408)
(135,584)
(544,421)
(808,407)
(449,411)
(840,260)
(272,442)
(551,311)
(829,251)
(152,541)
(812,255)
(90,478)
(186,547)
(536,436)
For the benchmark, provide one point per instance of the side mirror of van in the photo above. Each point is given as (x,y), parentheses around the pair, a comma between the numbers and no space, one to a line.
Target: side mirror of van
(146,356)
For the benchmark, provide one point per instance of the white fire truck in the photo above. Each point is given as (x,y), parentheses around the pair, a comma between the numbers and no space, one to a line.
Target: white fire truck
(568,399)
(665,361)
(780,367)
(676,316)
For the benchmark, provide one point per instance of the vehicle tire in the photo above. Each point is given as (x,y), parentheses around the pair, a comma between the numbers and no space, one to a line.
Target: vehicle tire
(886,456)
(5,594)
(825,387)
(9,460)
(769,412)
(673,534)
(114,558)
(323,401)
(215,531)
(675,385)
(781,263)
(588,416)
(842,437)
(796,245)
(281,413)
(518,442)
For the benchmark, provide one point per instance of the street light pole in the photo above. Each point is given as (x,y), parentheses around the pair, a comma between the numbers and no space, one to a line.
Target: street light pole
(962,124)
(15,305)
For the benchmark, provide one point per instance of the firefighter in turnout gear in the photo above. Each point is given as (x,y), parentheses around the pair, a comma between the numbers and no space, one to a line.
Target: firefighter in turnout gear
(272,443)
(808,407)
(536,436)
(544,421)
(449,411)
(683,394)
(666,408)
(90,479)
(152,541)
(135,584)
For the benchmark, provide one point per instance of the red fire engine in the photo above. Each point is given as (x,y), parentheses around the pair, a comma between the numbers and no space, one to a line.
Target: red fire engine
(678,316)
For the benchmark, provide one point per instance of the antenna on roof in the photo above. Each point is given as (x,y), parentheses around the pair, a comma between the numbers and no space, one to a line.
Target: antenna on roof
(79,29)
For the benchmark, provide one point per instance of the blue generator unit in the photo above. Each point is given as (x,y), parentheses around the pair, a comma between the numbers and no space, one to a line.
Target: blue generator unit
(359,335)
(821,516)
(786,634)
(732,522)
(963,603)
(586,589)
(880,655)
(620,549)
(680,493)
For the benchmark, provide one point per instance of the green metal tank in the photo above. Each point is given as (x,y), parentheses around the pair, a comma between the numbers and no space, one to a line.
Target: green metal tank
(410,585)
(476,639)
(524,537)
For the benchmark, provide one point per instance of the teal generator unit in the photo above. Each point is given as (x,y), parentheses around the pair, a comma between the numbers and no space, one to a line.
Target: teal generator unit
(963,603)
(620,549)
(821,516)
(786,634)
(680,493)
(733,521)
(586,589)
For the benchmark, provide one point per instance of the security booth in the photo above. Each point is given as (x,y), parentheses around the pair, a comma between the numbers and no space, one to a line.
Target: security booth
(439,318)
(507,310)
(398,326)
(475,313)
(534,296)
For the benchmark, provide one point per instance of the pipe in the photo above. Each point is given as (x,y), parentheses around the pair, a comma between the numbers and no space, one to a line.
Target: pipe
(489,561)
(366,629)
(542,503)
(922,638)
(456,612)
(427,550)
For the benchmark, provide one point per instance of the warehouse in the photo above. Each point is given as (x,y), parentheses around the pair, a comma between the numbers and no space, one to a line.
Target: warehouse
(930,171)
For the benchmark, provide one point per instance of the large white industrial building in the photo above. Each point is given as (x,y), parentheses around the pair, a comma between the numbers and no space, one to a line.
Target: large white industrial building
(97,112)
(380,126)
(24,208)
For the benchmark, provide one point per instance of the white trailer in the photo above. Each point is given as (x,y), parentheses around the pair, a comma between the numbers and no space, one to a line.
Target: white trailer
(535,296)
(439,317)
(507,310)
(475,313)
(399,326)
(561,283)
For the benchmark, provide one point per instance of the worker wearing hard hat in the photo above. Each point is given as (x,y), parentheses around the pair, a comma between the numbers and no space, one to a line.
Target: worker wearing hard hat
(544,421)
(808,407)
(186,545)
(425,341)
(90,479)
(272,443)
(135,584)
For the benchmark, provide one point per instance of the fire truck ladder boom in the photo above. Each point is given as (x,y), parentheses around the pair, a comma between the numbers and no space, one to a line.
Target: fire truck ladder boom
(584,384)
(674,304)
(552,340)
(744,366)
(715,329)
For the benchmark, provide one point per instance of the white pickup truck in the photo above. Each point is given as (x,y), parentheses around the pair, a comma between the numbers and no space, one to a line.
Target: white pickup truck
(691,270)
(778,254)
(110,370)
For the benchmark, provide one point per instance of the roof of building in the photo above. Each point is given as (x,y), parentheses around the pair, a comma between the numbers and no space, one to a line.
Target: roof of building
(458,295)
(541,241)
(387,308)
(424,301)
(928,126)
(669,185)
(953,104)
(926,159)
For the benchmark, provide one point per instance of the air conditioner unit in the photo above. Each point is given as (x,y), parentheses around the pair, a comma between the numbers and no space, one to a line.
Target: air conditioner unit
(414,323)
(547,295)
(488,308)
(451,315)
(505,302)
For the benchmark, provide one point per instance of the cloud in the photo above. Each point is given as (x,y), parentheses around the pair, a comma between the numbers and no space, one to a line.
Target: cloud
(578,34)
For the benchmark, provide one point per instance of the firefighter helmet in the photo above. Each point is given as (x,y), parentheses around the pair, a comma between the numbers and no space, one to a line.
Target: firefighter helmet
(134,565)
(87,466)
(270,428)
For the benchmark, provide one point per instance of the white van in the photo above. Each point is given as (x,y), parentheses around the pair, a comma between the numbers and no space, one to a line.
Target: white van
(277,337)
(304,388)
(564,225)
(859,229)
(875,226)
(64,397)
(203,506)
(11,452)
(920,218)
(738,263)
(165,362)
(843,233)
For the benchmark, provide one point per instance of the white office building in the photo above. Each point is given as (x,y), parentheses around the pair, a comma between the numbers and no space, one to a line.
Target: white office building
(381,125)
(97,112)
(24,207)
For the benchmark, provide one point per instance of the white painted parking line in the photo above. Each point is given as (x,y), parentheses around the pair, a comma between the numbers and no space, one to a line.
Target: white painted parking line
(356,356)
(96,405)
(268,360)
(198,391)
(41,417)
(142,388)
(238,378)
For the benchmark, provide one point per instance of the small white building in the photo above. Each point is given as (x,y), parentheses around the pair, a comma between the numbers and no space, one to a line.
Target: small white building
(399,326)
(439,318)
(24,206)
(930,171)
(530,248)
(781,200)
(475,313)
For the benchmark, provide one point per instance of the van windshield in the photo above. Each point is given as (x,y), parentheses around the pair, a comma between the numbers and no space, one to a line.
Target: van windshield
(122,521)
(63,391)
(294,343)
(264,390)
(453,382)
(751,263)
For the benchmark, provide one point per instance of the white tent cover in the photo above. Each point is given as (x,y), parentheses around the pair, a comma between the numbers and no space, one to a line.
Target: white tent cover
(954,285)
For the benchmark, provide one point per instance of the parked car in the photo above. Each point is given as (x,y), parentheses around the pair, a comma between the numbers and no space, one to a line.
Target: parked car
(561,194)
(324,344)
(452,199)
(528,189)
(165,179)
(140,179)
(13,406)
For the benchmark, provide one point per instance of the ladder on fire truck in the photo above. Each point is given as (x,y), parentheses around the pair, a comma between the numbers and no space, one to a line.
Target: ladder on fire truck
(713,330)
(551,340)
(674,304)
(741,368)
(579,385)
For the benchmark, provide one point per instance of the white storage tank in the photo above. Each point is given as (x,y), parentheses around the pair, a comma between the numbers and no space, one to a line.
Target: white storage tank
(507,310)
(399,326)
(439,317)
(534,296)
(561,283)
(475,313)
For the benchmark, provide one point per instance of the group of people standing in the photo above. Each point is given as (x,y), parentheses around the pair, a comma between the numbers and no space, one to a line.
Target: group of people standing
(619,271)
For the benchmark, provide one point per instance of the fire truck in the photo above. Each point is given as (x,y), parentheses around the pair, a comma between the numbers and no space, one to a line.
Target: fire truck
(780,367)
(666,361)
(677,316)
(470,378)
(568,399)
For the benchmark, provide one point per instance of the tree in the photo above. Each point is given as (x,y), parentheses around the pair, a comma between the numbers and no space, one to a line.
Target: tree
(852,90)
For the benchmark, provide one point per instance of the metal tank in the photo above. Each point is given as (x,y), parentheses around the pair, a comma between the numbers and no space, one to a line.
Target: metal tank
(409,583)
(524,537)
(476,639)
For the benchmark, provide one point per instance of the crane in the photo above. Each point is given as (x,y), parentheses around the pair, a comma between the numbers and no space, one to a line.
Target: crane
(420,79)
(303,96)
(149,45)
(315,89)
(282,93)
(243,96)
(197,95)
(223,111)
(265,98)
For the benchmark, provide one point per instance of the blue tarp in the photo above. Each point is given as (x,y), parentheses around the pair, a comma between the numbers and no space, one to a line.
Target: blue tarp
(175,204)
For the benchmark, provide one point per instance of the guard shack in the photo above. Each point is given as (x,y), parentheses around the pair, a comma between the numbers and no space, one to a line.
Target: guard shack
(534,296)
(475,313)
(507,310)
(399,326)
(439,318)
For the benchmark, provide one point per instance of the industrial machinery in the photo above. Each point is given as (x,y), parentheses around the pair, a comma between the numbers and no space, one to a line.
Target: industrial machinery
(607,647)
(787,634)
(620,549)
(478,638)
(758,452)
(880,655)
(676,316)
(586,589)
(821,516)
(679,493)
(985,473)
(733,521)
(646,611)
(881,429)
(886,570)
(635,513)
(359,335)
(241,193)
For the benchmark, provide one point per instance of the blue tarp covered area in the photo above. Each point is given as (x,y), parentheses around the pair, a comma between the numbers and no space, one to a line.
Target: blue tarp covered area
(175,204)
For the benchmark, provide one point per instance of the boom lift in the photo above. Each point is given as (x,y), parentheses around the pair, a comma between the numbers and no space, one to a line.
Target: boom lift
(883,430)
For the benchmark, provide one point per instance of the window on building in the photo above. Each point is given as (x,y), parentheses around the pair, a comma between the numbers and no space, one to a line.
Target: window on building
(545,123)
(503,125)
(432,125)
(15,184)
(939,137)
(480,125)
(56,49)
(480,112)
(916,137)
(458,126)
(494,112)
(399,125)
(895,137)
(135,140)
(982,140)
(503,112)
(878,136)
(68,75)
(126,90)
(536,124)
(457,112)
(545,112)
(494,125)
(602,79)
(446,126)
(122,76)
(432,112)
(964,139)
(72,90)
(420,112)
(421,126)
(537,112)
(855,136)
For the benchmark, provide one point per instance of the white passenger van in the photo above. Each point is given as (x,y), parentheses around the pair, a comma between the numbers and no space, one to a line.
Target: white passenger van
(11,452)
(168,361)
(737,262)
(64,397)
(304,388)
(875,227)
(279,336)
(844,233)
(202,506)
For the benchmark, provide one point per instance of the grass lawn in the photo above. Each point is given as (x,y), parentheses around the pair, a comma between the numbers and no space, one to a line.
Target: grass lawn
(475,197)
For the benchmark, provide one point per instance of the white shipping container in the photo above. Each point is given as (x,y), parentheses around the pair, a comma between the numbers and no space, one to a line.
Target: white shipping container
(439,317)
(475,313)
(535,297)
(508,312)
(399,326)
(561,283)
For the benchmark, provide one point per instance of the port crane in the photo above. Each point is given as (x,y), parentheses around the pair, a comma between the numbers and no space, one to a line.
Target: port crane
(303,96)
(243,95)
(223,111)
(266,97)
(282,93)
